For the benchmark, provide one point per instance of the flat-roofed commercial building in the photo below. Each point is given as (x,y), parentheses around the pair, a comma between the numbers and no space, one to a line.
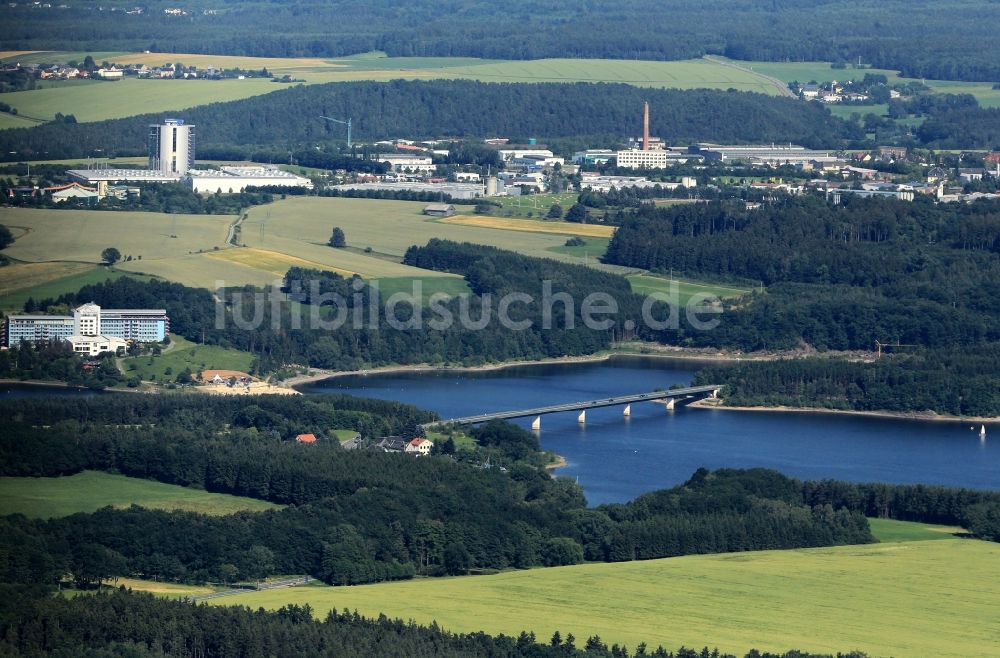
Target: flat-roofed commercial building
(639,159)
(774,154)
(232,180)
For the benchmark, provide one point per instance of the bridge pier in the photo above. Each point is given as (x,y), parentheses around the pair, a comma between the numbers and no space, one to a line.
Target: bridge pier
(537,423)
(582,418)
(670,404)
(627,411)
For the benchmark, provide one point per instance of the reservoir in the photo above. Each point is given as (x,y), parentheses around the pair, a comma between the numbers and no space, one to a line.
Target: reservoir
(616,458)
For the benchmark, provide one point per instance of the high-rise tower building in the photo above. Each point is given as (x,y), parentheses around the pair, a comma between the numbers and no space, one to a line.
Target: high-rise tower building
(171,147)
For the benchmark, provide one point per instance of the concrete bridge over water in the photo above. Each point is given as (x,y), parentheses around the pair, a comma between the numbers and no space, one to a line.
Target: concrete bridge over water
(671,399)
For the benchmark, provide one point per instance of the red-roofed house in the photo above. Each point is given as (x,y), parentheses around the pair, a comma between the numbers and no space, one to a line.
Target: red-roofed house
(306,438)
(419,446)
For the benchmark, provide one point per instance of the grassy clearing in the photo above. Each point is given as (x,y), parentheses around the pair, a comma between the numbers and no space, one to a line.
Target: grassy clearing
(818,71)
(647,284)
(16,298)
(451,286)
(592,248)
(532,205)
(165,590)
(906,600)
(344,435)
(531,226)
(888,530)
(185,354)
(91,490)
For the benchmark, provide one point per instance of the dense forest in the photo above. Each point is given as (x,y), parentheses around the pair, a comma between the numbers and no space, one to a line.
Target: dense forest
(356,515)
(840,277)
(119,623)
(451,108)
(950,41)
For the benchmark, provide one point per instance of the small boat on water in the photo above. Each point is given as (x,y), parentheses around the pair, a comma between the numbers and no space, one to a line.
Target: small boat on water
(982,431)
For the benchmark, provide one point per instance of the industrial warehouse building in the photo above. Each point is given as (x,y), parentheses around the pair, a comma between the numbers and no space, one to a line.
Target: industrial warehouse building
(231,180)
(774,155)
(171,160)
(90,321)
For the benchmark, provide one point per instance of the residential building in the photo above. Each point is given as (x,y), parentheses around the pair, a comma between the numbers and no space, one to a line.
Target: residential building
(419,447)
(306,438)
(392,444)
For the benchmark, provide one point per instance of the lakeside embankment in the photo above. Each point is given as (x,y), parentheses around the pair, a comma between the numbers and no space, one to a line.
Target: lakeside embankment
(720,405)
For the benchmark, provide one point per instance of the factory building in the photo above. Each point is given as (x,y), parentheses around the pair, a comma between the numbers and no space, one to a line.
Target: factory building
(453,190)
(232,180)
(639,159)
(171,147)
(773,154)
(404,162)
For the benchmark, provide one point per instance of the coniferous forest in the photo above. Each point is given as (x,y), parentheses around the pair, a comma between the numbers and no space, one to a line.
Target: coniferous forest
(452,108)
(951,41)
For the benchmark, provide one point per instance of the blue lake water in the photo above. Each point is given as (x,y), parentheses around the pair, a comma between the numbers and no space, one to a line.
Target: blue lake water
(615,459)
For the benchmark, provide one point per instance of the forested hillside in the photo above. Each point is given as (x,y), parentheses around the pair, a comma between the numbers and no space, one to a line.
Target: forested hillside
(459,108)
(840,278)
(952,40)
(356,516)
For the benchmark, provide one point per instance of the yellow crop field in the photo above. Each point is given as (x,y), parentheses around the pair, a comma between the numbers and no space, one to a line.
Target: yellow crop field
(907,600)
(272,261)
(531,226)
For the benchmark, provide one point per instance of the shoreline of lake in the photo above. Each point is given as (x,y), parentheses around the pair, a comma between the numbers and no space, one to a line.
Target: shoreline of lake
(895,415)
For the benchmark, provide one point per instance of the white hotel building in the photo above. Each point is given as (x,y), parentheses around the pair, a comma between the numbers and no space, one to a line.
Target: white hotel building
(91,329)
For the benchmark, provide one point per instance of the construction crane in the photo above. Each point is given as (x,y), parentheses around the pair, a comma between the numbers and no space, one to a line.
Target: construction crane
(346,123)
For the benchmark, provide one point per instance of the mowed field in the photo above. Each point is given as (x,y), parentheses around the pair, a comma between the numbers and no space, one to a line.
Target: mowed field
(91,490)
(38,281)
(908,600)
(302,226)
(81,235)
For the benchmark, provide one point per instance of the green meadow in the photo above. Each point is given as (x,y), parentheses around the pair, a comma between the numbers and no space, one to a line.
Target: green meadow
(182,355)
(648,284)
(89,491)
(904,599)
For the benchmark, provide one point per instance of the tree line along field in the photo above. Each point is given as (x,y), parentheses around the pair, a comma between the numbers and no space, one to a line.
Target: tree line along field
(98,100)
(91,490)
(908,600)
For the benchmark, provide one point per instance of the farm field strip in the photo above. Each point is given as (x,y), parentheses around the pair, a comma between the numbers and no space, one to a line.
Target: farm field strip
(272,261)
(902,599)
(91,490)
(19,276)
(531,226)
